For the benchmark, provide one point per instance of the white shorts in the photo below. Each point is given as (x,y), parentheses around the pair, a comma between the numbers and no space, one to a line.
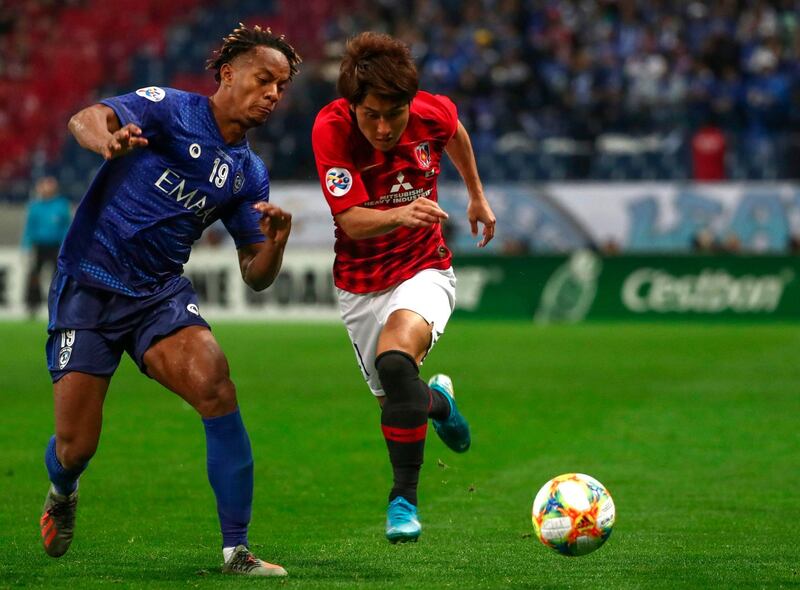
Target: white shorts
(431,293)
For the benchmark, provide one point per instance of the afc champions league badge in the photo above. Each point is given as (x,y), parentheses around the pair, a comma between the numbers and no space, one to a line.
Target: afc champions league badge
(338,181)
(423,154)
(152,93)
(67,340)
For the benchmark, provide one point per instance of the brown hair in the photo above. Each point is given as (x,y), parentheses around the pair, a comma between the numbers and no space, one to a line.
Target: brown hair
(242,40)
(377,63)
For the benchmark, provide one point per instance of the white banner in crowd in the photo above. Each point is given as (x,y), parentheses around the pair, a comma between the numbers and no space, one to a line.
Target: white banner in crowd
(634,217)
(303,291)
(561,217)
(537,219)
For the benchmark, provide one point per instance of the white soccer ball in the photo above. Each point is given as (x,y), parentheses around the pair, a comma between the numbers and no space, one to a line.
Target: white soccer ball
(573,514)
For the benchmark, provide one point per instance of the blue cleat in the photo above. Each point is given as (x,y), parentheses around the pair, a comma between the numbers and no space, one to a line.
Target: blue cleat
(402,524)
(454,431)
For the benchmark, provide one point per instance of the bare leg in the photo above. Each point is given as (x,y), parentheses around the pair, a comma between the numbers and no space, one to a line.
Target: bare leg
(190,363)
(78,400)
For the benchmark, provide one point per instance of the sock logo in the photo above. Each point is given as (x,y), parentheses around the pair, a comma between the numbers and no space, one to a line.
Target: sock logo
(67,340)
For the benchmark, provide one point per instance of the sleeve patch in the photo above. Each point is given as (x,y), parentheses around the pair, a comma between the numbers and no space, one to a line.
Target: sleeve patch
(152,93)
(338,181)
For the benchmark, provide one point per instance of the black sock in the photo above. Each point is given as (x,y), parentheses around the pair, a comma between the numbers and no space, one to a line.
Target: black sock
(404,419)
(439,406)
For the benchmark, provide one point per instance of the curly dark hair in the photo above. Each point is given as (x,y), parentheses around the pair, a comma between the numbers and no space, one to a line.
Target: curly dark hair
(242,40)
(377,63)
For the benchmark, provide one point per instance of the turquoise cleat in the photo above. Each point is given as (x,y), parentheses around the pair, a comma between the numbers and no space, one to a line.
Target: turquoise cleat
(402,524)
(454,431)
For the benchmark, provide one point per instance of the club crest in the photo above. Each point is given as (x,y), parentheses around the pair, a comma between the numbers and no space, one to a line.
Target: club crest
(423,154)
(238,181)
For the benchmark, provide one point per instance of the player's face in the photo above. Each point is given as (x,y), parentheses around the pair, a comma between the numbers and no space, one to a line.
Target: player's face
(259,79)
(382,121)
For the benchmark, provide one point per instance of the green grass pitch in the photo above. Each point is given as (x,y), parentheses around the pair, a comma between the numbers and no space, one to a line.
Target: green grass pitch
(693,428)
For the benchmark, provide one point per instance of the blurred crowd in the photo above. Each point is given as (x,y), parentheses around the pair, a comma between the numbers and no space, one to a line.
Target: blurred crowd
(528,71)
(535,77)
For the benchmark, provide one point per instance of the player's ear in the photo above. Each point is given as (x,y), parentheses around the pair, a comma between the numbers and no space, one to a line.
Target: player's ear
(226,74)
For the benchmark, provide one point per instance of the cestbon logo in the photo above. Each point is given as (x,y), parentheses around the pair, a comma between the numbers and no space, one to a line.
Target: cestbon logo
(192,308)
(339,181)
(152,93)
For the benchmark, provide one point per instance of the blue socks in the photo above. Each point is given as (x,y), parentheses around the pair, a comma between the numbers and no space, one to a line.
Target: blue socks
(65,481)
(230,472)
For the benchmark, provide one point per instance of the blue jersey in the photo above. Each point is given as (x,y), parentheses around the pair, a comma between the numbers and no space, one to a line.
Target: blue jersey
(134,229)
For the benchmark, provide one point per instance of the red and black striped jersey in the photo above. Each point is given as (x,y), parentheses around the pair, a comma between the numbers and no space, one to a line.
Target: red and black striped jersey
(353,173)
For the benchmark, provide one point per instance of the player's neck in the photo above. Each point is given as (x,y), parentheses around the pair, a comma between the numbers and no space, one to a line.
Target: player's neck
(232,131)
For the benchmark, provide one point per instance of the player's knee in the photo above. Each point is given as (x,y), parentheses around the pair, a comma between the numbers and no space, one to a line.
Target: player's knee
(216,397)
(398,374)
(73,452)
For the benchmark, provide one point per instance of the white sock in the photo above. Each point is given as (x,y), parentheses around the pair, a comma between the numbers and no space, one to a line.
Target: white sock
(227,553)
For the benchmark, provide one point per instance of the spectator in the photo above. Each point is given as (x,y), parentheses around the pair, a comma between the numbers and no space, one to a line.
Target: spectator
(46,224)
(708,153)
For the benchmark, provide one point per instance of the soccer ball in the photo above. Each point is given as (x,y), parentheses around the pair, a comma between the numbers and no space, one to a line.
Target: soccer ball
(573,514)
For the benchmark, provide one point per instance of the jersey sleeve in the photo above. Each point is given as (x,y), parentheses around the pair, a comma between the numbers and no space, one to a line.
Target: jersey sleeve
(241,220)
(445,116)
(340,180)
(148,108)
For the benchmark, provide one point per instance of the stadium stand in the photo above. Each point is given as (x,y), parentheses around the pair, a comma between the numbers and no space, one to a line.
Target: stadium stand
(563,90)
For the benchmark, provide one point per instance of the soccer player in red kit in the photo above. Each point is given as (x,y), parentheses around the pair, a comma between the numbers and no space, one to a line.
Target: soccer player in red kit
(378,151)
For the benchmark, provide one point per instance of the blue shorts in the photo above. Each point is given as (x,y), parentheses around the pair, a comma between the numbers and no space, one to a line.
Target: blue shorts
(90,328)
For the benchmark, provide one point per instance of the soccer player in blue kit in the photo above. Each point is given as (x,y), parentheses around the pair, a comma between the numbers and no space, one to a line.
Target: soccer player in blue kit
(175,163)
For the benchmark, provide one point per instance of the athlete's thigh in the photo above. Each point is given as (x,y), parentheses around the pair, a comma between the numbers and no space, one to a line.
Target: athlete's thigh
(190,363)
(407,331)
(79,398)
(417,312)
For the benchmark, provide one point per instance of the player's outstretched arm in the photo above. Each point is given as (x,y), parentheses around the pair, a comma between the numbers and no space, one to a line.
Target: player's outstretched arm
(97,128)
(459,149)
(360,223)
(261,262)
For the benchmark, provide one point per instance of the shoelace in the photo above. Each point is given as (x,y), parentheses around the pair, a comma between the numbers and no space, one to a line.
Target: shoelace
(62,510)
(401,513)
(246,561)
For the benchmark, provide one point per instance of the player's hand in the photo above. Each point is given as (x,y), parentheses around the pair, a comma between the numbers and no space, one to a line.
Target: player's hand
(275,223)
(479,211)
(123,141)
(420,213)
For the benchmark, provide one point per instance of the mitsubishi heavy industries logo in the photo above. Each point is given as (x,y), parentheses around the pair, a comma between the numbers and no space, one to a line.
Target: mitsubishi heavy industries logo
(400,192)
(401,184)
